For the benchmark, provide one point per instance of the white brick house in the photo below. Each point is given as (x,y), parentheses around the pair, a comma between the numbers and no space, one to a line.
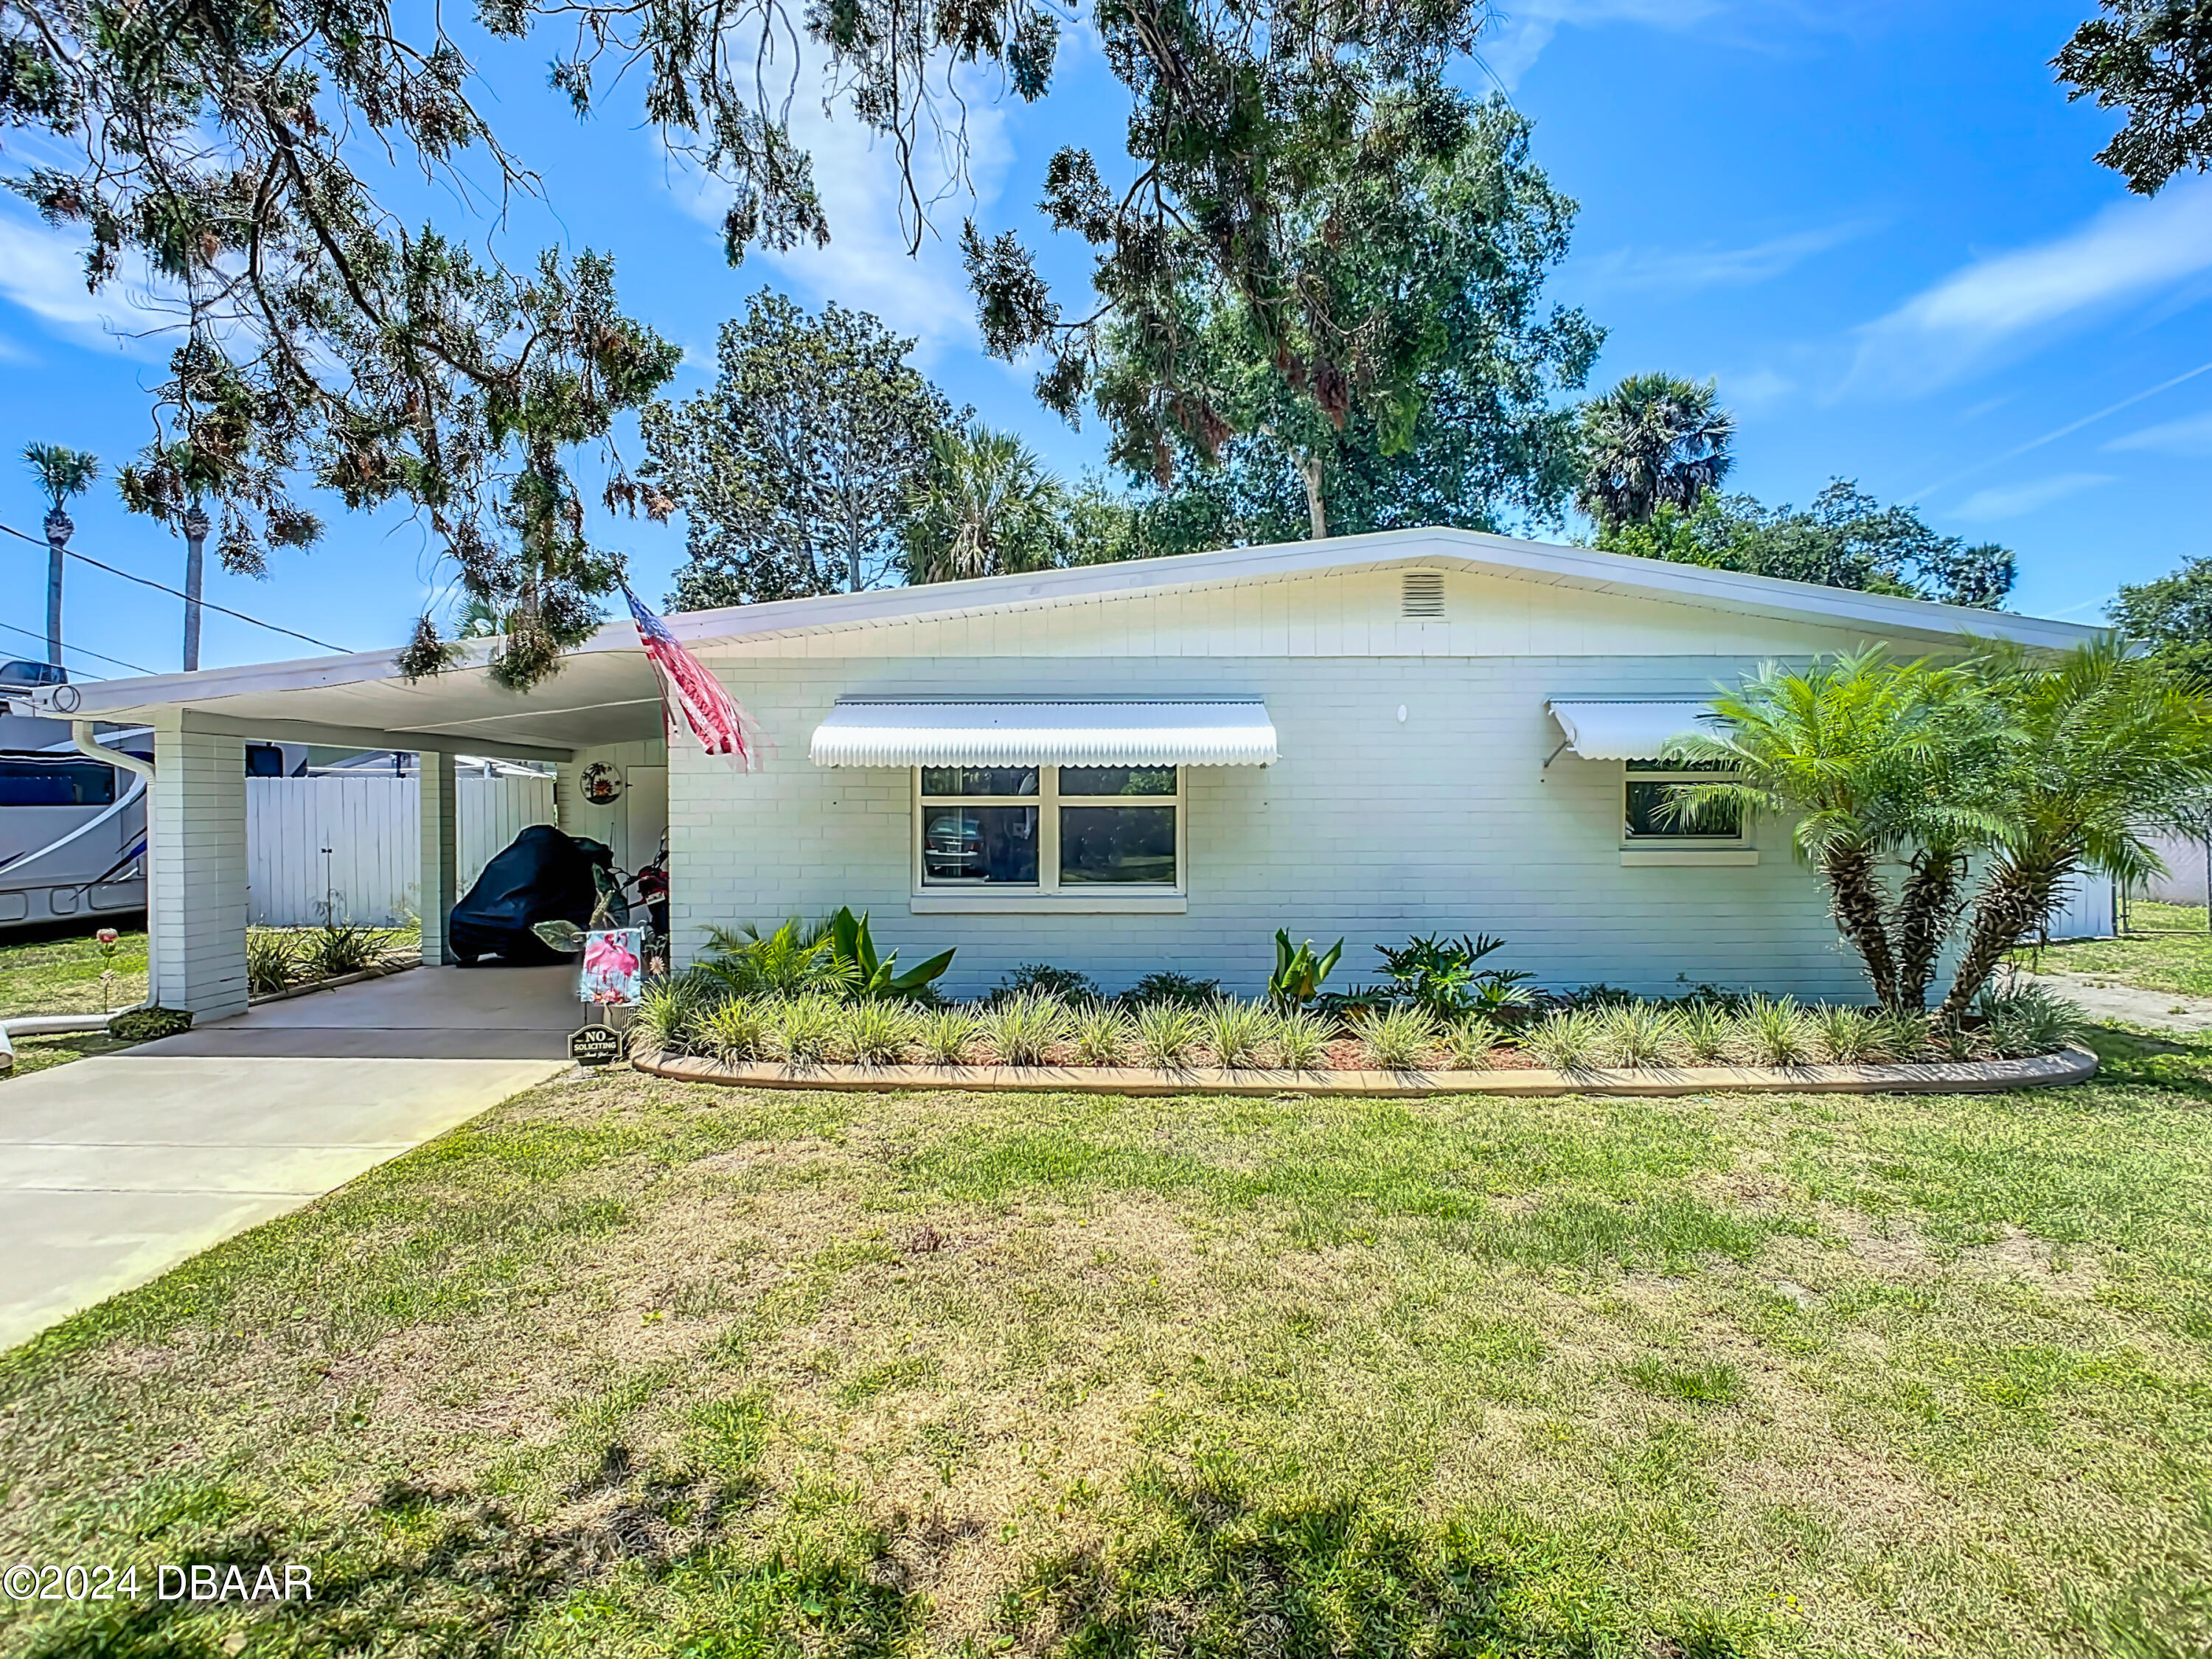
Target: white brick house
(1381,735)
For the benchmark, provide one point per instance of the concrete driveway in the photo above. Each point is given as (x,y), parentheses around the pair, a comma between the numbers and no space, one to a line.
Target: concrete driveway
(114,1169)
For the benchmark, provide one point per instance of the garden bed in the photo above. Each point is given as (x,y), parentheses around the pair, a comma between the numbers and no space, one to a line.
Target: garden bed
(2071,1065)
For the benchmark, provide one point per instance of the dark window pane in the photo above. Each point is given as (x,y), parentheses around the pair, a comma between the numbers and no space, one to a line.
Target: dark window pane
(55,783)
(1118,844)
(1651,812)
(1679,766)
(975,844)
(264,760)
(979,779)
(1117,780)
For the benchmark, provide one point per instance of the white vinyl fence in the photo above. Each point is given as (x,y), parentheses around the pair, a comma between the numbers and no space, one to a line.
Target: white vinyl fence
(351,846)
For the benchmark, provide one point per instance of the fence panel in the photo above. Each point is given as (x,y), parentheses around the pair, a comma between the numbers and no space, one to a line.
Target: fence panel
(350,846)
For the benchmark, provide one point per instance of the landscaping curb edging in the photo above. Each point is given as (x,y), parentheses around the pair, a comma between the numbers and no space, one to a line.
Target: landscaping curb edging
(2072,1065)
(314,985)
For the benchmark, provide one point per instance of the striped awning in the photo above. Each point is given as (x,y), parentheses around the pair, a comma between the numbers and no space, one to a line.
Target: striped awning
(870,732)
(1608,729)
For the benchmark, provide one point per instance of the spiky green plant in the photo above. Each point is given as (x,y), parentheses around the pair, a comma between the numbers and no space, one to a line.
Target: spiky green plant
(1849,1036)
(1301,1039)
(735,1030)
(1569,1041)
(1167,1033)
(667,1016)
(1101,1034)
(1399,1037)
(879,1030)
(1707,1034)
(1237,1032)
(1905,1035)
(1636,1034)
(1471,1041)
(2030,1021)
(809,1028)
(1024,1030)
(946,1037)
(1775,1032)
(1953,1040)
(272,960)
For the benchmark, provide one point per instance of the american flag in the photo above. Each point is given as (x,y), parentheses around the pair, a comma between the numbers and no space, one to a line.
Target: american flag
(721,727)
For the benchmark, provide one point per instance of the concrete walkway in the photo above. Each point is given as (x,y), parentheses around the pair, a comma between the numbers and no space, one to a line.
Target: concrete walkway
(2101,996)
(114,1169)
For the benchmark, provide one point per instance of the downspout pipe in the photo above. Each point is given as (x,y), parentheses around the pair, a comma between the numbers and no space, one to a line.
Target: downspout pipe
(86,742)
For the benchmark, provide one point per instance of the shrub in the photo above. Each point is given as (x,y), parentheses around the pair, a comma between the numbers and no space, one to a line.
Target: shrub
(1775,1032)
(1237,1032)
(1101,1034)
(1638,1034)
(144,1024)
(1066,983)
(344,947)
(1397,1039)
(1849,1036)
(1167,1032)
(1440,974)
(1904,1035)
(1022,1030)
(1707,1032)
(1568,1041)
(668,1015)
(1301,1039)
(1173,988)
(793,960)
(1953,1040)
(946,1034)
(877,1030)
(735,1030)
(2030,1021)
(808,1029)
(272,958)
(1470,1040)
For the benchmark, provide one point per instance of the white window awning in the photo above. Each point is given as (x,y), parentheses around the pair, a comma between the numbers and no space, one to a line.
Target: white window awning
(869,732)
(1604,729)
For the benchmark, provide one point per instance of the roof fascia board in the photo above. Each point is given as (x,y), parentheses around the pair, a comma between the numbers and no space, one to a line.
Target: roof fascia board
(368,736)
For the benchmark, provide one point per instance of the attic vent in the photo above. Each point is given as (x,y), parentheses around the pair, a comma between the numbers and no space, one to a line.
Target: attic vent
(1423,594)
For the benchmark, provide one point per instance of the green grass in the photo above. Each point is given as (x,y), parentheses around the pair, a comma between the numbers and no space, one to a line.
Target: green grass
(628,1367)
(62,975)
(2176,960)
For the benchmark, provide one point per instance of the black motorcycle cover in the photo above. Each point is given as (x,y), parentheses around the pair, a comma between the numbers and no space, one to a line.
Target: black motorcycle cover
(543,875)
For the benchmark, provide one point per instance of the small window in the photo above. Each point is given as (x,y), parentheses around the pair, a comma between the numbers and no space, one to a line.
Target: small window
(1651,815)
(264,760)
(1048,829)
(55,783)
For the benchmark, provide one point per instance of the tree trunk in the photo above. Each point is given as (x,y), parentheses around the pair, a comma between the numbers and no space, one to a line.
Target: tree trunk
(58,534)
(1316,511)
(1855,898)
(1925,911)
(196,527)
(2013,904)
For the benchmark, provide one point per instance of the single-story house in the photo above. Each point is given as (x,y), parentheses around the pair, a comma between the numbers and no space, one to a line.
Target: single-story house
(1124,767)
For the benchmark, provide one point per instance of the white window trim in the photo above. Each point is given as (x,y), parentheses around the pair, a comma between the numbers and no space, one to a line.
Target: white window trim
(1676,852)
(1048,897)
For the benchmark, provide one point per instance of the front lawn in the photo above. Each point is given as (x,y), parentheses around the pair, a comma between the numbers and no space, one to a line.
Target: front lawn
(2178,957)
(627,1367)
(62,975)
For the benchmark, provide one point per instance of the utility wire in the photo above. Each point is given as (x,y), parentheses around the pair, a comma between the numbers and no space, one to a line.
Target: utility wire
(143,581)
(79,649)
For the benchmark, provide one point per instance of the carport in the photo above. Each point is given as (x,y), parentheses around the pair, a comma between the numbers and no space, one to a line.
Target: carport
(603,695)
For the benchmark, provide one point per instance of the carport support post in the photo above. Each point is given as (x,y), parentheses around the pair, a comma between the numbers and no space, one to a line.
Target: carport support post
(196,903)
(440,821)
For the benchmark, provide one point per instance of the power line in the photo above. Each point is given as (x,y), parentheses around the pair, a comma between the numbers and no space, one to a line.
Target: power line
(143,581)
(80,650)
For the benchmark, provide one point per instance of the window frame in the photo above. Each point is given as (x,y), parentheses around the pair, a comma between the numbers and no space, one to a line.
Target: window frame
(1048,888)
(1740,841)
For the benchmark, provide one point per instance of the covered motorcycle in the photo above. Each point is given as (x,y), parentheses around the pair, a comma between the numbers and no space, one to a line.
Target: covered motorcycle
(543,875)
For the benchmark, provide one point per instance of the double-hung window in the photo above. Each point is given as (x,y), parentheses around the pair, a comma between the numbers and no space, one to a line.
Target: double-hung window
(1048,829)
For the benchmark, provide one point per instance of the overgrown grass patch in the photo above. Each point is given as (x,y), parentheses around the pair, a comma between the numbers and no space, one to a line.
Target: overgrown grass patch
(627,1367)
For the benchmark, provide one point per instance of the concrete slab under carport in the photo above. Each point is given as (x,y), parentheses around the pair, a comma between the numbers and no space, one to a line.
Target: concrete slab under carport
(114,1169)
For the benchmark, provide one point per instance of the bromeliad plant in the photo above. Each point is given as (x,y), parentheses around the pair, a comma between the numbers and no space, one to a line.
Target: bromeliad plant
(1298,974)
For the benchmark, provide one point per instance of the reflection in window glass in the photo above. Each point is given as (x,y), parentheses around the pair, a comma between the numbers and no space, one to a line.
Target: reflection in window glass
(979,779)
(1117,780)
(55,783)
(1652,815)
(974,845)
(1117,844)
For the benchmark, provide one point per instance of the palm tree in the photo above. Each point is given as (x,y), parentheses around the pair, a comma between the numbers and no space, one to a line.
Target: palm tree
(1876,760)
(61,474)
(985,506)
(1652,439)
(2112,745)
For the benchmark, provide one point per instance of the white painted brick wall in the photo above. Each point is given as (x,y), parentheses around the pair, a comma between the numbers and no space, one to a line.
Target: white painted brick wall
(198,850)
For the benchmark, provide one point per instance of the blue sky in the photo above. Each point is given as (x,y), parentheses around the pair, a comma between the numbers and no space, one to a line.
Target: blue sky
(1877,225)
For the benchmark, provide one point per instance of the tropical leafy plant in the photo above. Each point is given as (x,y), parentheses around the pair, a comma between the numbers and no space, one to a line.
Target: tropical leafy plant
(1397,1038)
(1301,1039)
(1101,1034)
(982,505)
(1237,1032)
(1167,986)
(795,959)
(1298,974)
(1168,1032)
(1654,440)
(1440,974)
(1024,1030)
(945,1036)
(877,1030)
(868,975)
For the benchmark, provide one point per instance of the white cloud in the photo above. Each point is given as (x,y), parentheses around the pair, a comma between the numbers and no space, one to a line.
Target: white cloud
(1522,28)
(1756,388)
(42,271)
(1690,270)
(2011,501)
(2190,436)
(1998,306)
